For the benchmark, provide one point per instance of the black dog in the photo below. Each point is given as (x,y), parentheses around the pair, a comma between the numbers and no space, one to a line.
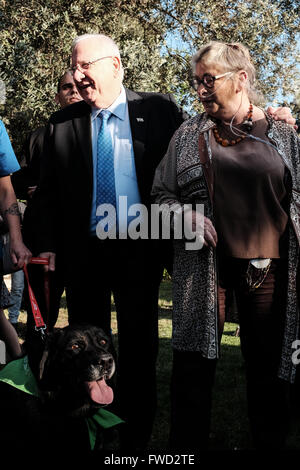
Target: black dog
(73,370)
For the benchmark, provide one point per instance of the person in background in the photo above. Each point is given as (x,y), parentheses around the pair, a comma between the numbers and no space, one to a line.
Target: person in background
(26,180)
(17,286)
(25,183)
(244,167)
(16,296)
(19,253)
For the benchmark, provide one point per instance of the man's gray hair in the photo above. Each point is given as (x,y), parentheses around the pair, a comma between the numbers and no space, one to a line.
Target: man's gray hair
(107,43)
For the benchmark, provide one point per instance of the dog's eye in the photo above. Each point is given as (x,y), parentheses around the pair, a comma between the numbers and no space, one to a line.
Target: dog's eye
(103,342)
(75,346)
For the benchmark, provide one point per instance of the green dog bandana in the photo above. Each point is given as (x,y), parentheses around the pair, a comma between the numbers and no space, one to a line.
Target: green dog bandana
(19,375)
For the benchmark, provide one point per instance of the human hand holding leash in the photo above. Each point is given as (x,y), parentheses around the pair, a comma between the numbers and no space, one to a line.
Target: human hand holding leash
(51,257)
(19,253)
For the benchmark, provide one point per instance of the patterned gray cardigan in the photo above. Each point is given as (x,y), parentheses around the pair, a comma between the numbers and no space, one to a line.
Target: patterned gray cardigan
(180,179)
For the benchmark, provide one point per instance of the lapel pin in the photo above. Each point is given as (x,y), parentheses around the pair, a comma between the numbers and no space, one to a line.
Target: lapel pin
(140,119)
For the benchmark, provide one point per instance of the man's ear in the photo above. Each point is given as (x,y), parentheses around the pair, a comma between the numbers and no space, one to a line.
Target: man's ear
(117,65)
(57,100)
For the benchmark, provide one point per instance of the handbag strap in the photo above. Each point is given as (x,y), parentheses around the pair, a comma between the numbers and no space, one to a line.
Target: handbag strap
(207,166)
(40,325)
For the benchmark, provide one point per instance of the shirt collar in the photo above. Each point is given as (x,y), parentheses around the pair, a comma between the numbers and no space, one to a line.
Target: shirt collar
(117,108)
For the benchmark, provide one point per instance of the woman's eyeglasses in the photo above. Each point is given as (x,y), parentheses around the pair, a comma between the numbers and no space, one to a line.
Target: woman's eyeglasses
(207,80)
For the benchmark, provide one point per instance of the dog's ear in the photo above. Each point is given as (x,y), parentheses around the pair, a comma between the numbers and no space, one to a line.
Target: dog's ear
(47,362)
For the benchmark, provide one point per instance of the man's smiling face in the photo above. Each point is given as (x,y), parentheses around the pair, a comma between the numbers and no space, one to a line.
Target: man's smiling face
(100,83)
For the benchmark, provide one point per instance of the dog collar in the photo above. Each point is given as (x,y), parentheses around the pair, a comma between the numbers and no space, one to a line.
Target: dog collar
(19,375)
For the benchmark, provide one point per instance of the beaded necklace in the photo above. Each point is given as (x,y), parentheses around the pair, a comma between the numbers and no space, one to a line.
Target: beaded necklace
(228,142)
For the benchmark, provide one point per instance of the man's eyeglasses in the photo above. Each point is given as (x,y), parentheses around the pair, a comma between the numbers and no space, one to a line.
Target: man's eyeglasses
(208,80)
(86,65)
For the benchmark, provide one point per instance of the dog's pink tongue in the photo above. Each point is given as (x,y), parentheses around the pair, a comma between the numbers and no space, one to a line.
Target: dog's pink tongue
(100,392)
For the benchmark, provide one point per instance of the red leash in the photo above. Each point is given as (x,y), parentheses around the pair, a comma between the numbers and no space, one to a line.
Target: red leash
(40,325)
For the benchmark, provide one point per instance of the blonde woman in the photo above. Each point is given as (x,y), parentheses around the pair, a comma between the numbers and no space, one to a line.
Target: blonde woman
(244,167)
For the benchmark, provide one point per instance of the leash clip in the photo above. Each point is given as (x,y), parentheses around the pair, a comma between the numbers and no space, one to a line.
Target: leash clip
(41,329)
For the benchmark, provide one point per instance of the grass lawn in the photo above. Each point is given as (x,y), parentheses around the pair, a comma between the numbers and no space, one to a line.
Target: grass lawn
(230,429)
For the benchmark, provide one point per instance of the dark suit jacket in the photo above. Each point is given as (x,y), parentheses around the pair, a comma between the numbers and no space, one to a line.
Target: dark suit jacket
(30,163)
(64,196)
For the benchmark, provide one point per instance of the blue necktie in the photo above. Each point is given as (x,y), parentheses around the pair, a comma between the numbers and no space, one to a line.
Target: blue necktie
(106,191)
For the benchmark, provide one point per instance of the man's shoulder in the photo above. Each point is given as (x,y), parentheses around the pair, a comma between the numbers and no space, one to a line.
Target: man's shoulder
(39,132)
(72,111)
(35,138)
(162,104)
(148,96)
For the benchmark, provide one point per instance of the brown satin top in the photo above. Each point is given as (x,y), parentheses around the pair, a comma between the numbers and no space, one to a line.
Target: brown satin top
(249,196)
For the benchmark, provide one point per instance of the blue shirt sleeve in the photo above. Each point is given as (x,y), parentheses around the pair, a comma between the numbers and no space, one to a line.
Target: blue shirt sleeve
(8,161)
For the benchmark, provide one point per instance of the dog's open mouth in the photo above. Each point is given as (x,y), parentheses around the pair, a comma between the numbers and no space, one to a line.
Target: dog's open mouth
(100,392)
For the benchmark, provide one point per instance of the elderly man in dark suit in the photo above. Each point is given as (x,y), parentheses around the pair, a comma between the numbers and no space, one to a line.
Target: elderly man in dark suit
(74,182)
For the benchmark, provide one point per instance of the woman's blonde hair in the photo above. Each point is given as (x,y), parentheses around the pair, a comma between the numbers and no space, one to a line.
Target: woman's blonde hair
(229,57)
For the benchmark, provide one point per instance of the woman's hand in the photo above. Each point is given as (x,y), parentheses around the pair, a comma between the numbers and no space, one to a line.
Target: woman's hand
(203,226)
(20,254)
(210,234)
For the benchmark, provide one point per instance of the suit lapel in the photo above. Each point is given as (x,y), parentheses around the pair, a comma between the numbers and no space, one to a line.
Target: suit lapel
(138,125)
(82,127)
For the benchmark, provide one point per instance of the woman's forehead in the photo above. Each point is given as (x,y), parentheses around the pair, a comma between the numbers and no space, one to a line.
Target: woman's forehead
(211,68)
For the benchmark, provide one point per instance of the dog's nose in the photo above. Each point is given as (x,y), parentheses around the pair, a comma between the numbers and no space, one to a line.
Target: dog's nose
(106,360)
